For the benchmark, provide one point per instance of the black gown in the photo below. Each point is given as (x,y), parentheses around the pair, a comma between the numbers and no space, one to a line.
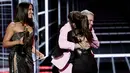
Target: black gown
(83,60)
(20,57)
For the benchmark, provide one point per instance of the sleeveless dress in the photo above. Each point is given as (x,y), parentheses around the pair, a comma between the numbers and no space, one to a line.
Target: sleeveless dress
(82,59)
(20,57)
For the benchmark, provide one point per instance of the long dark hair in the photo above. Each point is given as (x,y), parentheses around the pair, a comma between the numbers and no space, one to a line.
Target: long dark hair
(81,23)
(22,14)
(85,28)
(75,17)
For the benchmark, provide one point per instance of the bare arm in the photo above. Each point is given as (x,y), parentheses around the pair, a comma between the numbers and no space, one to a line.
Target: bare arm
(38,53)
(9,33)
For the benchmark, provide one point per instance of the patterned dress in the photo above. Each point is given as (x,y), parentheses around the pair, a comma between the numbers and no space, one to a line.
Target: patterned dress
(20,57)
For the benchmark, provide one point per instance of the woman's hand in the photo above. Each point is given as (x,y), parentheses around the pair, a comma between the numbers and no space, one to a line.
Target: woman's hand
(83,43)
(41,56)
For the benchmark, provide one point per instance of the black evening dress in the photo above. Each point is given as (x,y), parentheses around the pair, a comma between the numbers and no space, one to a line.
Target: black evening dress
(20,57)
(82,59)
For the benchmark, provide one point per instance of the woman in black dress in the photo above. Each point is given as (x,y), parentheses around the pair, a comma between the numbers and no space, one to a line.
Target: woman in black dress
(73,54)
(82,58)
(19,38)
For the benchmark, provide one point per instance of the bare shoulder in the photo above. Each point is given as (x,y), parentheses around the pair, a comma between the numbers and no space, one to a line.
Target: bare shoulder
(18,24)
(11,26)
(18,27)
(14,25)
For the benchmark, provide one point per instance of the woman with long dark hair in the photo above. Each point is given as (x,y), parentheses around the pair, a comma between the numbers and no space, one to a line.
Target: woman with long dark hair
(62,56)
(95,42)
(83,60)
(19,37)
(74,42)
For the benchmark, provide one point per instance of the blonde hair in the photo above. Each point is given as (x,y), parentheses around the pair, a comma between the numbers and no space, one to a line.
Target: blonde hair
(87,12)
